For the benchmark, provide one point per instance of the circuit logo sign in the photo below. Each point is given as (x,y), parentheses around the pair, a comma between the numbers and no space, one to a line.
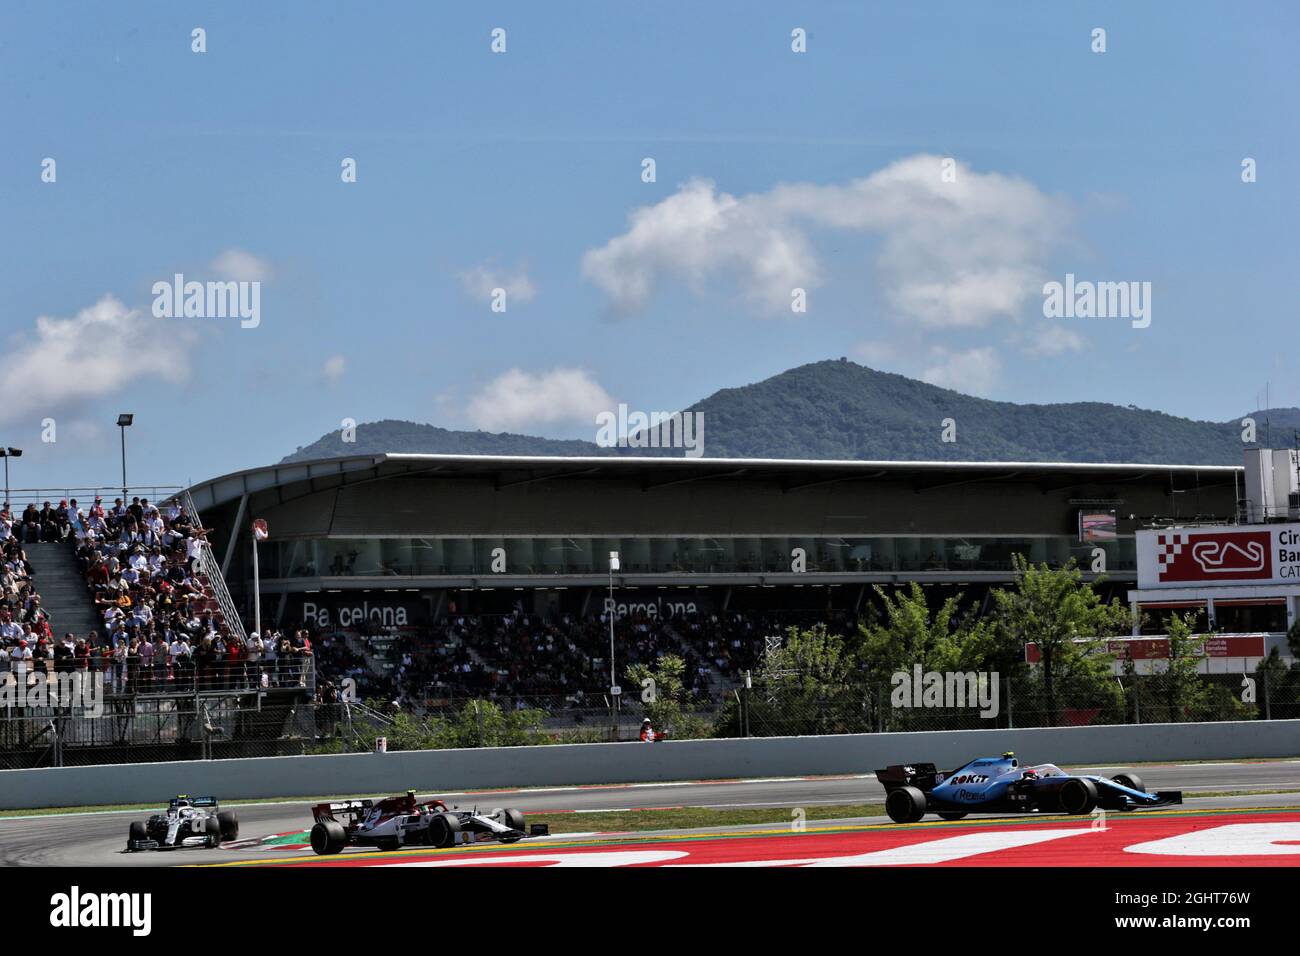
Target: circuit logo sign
(1218,556)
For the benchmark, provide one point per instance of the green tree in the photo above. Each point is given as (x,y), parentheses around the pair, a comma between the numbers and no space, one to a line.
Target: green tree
(908,634)
(818,657)
(1186,694)
(666,698)
(808,685)
(1068,621)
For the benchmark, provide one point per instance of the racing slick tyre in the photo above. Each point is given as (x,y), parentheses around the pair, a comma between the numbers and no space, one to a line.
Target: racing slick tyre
(1130,780)
(328,837)
(1078,796)
(514,819)
(229,824)
(443,830)
(138,832)
(951,814)
(213,829)
(905,805)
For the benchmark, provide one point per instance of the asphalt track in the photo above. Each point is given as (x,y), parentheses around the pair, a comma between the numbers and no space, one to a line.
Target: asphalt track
(97,838)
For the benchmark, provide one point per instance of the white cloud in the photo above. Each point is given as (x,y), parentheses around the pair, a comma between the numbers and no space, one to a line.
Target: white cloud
(950,254)
(481,281)
(517,399)
(875,353)
(333,368)
(240,266)
(1051,339)
(90,356)
(698,233)
(972,372)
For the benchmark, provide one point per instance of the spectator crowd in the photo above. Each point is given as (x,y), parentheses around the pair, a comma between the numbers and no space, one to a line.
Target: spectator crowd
(522,657)
(160,630)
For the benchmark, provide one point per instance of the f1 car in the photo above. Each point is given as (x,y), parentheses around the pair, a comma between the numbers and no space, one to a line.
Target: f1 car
(403,821)
(187,822)
(1001,785)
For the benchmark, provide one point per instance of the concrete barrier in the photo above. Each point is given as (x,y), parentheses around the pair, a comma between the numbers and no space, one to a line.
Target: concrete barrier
(431,771)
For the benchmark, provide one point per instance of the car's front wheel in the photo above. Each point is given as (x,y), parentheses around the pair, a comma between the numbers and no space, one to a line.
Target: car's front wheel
(213,830)
(137,832)
(229,825)
(905,805)
(1130,780)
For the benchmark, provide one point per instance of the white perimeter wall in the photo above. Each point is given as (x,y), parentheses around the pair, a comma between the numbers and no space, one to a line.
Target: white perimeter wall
(431,771)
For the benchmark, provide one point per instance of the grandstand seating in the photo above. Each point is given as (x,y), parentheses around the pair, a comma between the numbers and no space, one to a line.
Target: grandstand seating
(528,656)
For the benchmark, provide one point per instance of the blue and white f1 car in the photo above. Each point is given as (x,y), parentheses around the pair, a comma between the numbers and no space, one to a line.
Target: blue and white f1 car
(1001,785)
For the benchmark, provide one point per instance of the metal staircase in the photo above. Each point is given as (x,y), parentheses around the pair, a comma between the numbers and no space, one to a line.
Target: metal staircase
(210,568)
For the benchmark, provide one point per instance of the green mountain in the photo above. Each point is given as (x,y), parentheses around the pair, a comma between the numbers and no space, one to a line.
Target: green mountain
(841,410)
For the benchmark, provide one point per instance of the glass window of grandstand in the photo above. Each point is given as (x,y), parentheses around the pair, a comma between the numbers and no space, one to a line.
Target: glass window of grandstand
(1155,617)
(1250,617)
(346,557)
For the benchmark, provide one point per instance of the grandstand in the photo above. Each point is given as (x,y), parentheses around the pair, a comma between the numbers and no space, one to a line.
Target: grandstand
(139,616)
(456,575)
(428,580)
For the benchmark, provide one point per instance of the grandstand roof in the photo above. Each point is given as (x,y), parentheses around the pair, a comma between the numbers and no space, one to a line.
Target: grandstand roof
(659,471)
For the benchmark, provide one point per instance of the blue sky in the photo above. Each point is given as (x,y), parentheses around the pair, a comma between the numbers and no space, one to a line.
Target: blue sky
(521,170)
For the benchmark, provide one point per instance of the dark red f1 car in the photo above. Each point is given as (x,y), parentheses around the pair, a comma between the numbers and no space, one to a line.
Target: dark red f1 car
(403,821)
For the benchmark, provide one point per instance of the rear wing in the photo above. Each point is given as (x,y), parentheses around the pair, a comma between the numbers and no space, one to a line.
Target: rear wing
(352,810)
(923,776)
(207,802)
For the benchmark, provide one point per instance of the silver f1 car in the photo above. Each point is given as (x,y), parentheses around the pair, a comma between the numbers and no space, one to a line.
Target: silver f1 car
(1001,785)
(187,822)
(403,821)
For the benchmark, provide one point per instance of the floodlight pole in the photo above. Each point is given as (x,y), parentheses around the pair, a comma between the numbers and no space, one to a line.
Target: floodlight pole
(124,422)
(614,689)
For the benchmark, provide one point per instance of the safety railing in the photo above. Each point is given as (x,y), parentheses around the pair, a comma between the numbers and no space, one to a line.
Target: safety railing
(20,498)
(210,567)
(78,684)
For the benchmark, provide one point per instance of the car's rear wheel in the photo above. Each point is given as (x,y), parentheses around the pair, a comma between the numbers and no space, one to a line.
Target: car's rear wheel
(328,837)
(1130,780)
(443,829)
(1078,796)
(229,825)
(138,831)
(951,814)
(905,805)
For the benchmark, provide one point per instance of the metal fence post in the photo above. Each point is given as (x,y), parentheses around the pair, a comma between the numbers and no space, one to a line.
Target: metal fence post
(1268,710)
(1011,719)
(1137,700)
(478,717)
